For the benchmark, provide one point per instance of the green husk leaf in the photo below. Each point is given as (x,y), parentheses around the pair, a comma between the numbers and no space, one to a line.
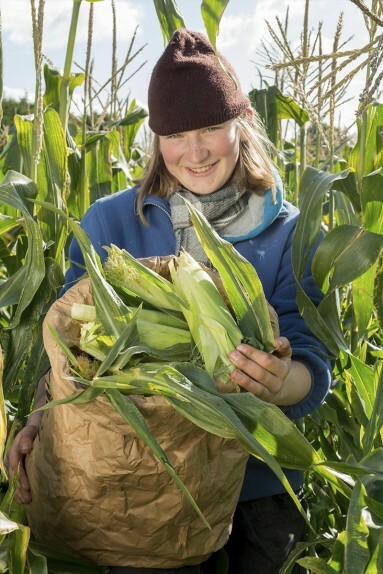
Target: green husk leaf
(240,280)
(123,268)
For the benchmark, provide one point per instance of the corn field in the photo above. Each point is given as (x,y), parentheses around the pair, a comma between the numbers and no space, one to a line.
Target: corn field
(57,161)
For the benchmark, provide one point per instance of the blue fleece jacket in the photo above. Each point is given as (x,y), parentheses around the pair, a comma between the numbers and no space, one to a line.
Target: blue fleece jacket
(114,220)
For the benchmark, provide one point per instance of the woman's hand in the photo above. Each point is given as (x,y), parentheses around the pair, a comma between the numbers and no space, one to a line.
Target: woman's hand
(15,461)
(23,444)
(272,377)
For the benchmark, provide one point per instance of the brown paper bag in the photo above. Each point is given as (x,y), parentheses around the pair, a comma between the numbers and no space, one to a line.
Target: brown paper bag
(100,494)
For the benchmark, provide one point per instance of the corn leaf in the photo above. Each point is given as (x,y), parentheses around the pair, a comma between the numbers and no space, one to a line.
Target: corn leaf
(3,417)
(17,549)
(241,282)
(169,17)
(6,524)
(122,267)
(128,335)
(316,565)
(81,398)
(356,552)
(212,326)
(19,340)
(314,185)
(15,189)
(266,422)
(212,12)
(128,410)
(375,423)
(206,410)
(111,311)
(346,253)
(37,563)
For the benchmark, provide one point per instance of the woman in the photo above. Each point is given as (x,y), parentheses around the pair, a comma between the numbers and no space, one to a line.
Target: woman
(210,147)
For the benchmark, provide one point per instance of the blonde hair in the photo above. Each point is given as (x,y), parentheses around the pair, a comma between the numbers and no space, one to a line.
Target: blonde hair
(254,170)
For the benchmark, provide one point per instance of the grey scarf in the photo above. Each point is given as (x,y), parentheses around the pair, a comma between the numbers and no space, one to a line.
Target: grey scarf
(220,208)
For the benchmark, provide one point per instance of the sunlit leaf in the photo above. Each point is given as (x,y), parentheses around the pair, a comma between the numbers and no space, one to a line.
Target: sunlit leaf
(240,280)
(376,421)
(372,202)
(356,552)
(169,17)
(6,524)
(368,135)
(212,11)
(17,549)
(274,106)
(21,287)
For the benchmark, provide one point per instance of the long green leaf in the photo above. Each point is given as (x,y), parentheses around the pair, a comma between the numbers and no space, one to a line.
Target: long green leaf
(17,549)
(376,421)
(362,376)
(240,280)
(314,185)
(6,524)
(169,17)
(21,288)
(128,410)
(373,121)
(208,411)
(212,12)
(363,298)
(316,565)
(346,253)
(37,563)
(81,398)
(266,422)
(111,311)
(356,552)
(20,338)
(3,417)
(274,106)
(372,202)
(135,115)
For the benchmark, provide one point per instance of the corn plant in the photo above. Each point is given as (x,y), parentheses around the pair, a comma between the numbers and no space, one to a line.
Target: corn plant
(52,164)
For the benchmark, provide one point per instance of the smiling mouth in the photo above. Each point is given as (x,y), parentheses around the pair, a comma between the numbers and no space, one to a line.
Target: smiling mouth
(203,169)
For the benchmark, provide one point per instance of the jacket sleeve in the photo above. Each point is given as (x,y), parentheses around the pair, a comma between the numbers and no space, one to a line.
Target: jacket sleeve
(306,348)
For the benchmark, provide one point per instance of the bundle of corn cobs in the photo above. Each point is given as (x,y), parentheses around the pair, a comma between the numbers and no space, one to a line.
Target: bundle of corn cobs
(178,310)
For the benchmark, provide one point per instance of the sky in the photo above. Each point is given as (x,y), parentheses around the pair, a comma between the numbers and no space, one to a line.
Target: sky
(242,30)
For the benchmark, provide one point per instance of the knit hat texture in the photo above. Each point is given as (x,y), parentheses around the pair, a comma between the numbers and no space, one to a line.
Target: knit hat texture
(189,89)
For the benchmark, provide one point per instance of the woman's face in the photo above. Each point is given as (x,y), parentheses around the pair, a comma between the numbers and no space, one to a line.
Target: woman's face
(202,160)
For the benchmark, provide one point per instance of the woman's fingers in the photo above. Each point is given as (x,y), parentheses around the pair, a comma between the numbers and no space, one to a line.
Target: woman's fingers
(261,373)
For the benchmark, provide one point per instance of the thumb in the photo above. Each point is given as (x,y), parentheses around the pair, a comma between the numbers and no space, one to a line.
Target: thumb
(27,438)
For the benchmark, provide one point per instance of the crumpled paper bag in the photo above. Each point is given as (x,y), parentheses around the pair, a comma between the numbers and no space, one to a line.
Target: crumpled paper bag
(100,494)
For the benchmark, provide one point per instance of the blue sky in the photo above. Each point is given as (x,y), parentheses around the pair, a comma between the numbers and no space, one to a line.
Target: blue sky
(242,29)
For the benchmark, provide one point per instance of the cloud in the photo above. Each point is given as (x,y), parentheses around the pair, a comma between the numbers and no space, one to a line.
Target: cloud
(249,29)
(16,94)
(17,20)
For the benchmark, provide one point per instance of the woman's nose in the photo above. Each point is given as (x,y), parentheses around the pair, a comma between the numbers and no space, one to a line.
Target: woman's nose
(196,150)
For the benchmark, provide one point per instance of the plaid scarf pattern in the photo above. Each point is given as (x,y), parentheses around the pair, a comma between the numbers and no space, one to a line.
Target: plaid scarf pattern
(221,208)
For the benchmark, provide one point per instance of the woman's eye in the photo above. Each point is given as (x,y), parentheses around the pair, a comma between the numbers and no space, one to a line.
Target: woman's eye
(173,136)
(212,129)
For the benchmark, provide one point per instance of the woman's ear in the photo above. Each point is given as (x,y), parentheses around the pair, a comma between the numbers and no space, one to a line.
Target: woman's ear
(249,112)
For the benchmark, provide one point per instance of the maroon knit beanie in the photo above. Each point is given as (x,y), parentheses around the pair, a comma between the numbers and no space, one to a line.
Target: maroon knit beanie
(189,89)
